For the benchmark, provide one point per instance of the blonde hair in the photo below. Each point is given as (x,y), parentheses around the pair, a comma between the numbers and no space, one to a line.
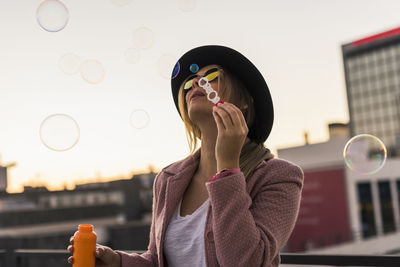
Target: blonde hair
(236,93)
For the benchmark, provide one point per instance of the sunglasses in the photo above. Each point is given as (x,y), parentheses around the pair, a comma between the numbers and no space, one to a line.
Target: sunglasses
(210,75)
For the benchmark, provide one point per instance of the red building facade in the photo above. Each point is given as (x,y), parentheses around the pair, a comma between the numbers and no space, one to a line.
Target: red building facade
(324,217)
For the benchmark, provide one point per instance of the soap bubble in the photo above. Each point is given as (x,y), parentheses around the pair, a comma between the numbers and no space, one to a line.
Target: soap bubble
(121,2)
(365,154)
(52,15)
(194,68)
(139,119)
(69,63)
(132,55)
(143,38)
(176,70)
(187,5)
(59,132)
(166,63)
(92,71)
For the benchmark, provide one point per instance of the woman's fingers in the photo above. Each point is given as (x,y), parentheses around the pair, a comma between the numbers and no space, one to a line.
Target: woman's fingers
(230,139)
(234,113)
(99,252)
(239,117)
(231,116)
(106,256)
(70,248)
(224,115)
(218,120)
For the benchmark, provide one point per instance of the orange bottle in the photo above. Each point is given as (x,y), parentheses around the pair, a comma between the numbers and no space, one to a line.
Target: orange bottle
(84,246)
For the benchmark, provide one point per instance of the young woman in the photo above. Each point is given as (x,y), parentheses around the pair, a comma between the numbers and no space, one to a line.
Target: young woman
(229,203)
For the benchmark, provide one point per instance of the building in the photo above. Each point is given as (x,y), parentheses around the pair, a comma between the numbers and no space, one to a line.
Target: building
(3,177)
(119,210)
(342,211)
(372,74)
(323,218)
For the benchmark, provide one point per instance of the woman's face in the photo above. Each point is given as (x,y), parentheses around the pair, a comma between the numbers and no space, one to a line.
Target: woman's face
(196,96)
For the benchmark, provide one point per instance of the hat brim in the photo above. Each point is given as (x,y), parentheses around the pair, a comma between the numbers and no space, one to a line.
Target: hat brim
(243,69)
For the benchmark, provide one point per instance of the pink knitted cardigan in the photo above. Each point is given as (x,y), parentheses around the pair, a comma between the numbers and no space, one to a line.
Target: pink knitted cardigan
(248,222)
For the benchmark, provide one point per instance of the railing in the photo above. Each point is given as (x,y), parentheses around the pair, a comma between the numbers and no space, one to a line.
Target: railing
(52,257)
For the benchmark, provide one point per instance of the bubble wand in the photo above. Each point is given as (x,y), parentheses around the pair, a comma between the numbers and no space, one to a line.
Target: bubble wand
(203,82)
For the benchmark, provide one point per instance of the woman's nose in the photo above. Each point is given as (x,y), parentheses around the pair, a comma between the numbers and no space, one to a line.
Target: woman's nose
(195,82)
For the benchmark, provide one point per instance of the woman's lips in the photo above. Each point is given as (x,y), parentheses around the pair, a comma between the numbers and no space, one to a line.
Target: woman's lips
(196,94)
(195,97)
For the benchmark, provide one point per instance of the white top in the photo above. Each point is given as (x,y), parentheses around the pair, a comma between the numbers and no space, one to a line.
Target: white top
(184,238)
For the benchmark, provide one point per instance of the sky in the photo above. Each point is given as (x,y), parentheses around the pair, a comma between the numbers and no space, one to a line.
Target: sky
(295,44)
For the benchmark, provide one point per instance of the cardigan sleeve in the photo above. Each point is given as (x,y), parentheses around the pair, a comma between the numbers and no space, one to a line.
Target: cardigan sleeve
(148,258)
(250,231)
(223,174)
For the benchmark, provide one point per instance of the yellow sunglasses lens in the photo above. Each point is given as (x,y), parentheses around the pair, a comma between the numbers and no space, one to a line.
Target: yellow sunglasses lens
(210,77)
(188,84)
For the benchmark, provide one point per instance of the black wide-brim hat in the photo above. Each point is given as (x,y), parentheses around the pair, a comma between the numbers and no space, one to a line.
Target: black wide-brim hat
(242,69)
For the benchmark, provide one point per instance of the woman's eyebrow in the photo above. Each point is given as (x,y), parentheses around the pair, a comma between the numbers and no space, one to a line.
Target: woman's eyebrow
(207,72)
(210,71)
(191,77)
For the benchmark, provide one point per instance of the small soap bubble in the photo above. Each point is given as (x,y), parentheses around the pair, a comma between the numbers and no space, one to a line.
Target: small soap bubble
(132,55)
(69,63)
(165,64)
(365,154)
(52,15)
(139,119)
(143,38)
(59,132)
(121,2)
(187,5)
(194,68)
(176,70)
(92,71)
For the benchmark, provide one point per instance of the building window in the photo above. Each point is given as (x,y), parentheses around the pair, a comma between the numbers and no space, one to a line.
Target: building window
(398,192)
(385,198)
(366,208)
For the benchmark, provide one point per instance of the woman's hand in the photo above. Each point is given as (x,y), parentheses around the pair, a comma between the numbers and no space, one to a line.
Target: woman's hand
(105,256)
(232,132)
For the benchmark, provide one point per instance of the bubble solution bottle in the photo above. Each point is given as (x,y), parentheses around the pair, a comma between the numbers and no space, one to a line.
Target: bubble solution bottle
(84,246)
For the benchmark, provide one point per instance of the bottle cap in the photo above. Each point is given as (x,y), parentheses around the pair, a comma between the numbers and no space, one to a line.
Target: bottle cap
(85,227)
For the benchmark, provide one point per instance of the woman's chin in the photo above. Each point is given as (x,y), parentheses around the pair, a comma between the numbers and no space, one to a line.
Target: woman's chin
(198,112)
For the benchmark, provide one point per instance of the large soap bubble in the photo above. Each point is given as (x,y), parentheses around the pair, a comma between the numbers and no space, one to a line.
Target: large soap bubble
(365,154)
(52,15)
(59,132)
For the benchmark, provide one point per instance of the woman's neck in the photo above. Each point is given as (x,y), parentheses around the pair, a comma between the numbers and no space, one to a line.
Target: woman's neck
(208,164)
